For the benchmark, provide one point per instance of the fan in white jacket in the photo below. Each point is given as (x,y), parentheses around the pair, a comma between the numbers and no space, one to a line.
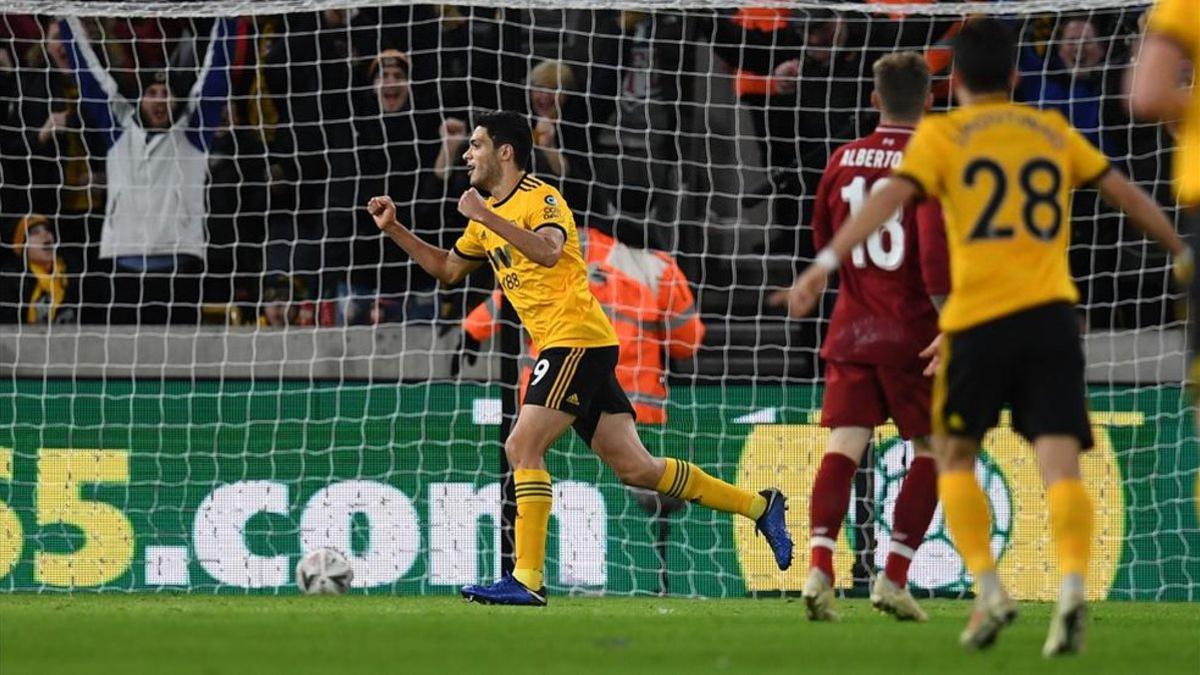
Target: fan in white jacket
(157,168)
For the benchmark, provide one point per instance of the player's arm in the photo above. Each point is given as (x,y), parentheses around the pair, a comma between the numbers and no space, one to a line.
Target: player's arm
(543,246)
(446,266)
(879,206)
(935,270)
(934,253)
(1154,88)
(1146,215)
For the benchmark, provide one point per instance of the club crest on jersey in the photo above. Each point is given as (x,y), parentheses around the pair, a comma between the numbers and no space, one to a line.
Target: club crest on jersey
(551,200)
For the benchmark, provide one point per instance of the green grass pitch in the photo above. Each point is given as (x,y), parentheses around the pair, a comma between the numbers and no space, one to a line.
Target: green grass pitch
(359,634)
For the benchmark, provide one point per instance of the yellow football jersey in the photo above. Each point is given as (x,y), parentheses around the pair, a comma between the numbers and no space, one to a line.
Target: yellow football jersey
(1179,21)
(555,303)
(1004,174)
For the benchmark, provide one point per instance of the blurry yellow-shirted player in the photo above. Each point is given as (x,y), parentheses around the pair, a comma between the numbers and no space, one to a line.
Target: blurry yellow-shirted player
(527,234)
(1004,173)
(1162,87)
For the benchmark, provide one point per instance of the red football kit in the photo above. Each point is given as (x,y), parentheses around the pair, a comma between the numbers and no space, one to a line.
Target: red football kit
(883,317)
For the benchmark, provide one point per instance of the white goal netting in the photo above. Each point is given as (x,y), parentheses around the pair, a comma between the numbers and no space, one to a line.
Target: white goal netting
(211,360)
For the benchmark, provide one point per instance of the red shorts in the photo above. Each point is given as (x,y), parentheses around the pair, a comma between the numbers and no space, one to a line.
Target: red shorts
(861,395)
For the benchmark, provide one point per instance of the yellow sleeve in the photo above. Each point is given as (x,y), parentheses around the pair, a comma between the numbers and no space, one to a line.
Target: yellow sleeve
(1177,20)
(468,245)
(1088,164)
(922,163)
(549,209)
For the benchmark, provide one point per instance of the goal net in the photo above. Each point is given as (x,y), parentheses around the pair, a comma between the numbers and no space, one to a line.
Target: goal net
(211,360)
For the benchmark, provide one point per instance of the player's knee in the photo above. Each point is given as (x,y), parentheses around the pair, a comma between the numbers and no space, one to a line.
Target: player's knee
(1058,457)
(922,446)
(849,441)
(639,474)
(518,453)
(631,469)
(955,453)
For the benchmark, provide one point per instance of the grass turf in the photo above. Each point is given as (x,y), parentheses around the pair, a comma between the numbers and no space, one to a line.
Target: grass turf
(201,634)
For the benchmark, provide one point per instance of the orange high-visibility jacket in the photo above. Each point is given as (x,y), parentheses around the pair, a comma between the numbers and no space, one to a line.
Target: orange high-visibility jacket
(648,300)
(767,20)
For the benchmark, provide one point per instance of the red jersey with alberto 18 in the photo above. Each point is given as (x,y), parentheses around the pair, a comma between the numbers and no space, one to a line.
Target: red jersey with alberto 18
(883,315)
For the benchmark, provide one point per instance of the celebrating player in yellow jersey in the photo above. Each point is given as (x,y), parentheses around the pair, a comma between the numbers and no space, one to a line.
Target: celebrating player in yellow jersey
(1160,87)
(527,234)
(1004,173)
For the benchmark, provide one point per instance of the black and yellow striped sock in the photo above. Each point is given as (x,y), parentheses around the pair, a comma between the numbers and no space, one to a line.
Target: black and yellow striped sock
(534,498)
(686,481)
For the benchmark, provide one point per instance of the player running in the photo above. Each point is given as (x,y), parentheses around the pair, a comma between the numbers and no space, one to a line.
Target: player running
(527,234)
(883,319)
(1160,87)
(1004,173)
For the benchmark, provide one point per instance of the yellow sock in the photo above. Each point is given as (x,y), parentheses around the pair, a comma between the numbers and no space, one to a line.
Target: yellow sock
(686,481)
(1071,524)
(534,497)
(969,519)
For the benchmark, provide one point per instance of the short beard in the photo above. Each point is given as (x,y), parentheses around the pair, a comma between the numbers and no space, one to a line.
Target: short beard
(482,183)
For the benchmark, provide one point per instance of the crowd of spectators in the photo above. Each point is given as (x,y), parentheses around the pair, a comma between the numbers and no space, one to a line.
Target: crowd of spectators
(176,171)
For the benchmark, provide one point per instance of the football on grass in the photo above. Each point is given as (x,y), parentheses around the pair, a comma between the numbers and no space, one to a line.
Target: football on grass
(324,571)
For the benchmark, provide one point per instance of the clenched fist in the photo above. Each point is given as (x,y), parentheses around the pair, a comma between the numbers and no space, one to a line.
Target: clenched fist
(383,210)
(453,130)
(471,205)
(544,133)
(785,76)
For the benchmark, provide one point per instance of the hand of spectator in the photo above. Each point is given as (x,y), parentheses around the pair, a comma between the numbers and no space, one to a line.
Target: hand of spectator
(785,76)
(383,210)
(56,122)
(453,131)
(544,134)
(471,205)
(803,295)
(934,353)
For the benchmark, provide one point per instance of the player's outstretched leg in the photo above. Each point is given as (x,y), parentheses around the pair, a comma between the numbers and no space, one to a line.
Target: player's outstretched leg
(914,509)
(828,504)
(688,482)
(616,441)
(1071,524)
(536,429)
(970,522)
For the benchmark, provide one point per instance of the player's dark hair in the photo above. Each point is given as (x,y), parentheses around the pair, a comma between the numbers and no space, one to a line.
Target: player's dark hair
(902,80)
(985,55)
(509,128)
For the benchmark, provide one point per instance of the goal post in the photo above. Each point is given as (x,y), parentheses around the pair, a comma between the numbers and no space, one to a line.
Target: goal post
(196,390)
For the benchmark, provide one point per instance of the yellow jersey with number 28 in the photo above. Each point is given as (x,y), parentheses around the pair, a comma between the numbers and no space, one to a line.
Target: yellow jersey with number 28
(1004,173)
(555,303)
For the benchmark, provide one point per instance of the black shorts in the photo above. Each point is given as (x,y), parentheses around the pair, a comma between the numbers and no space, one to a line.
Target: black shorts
(1191,231)
(1031,360)
(581,381)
